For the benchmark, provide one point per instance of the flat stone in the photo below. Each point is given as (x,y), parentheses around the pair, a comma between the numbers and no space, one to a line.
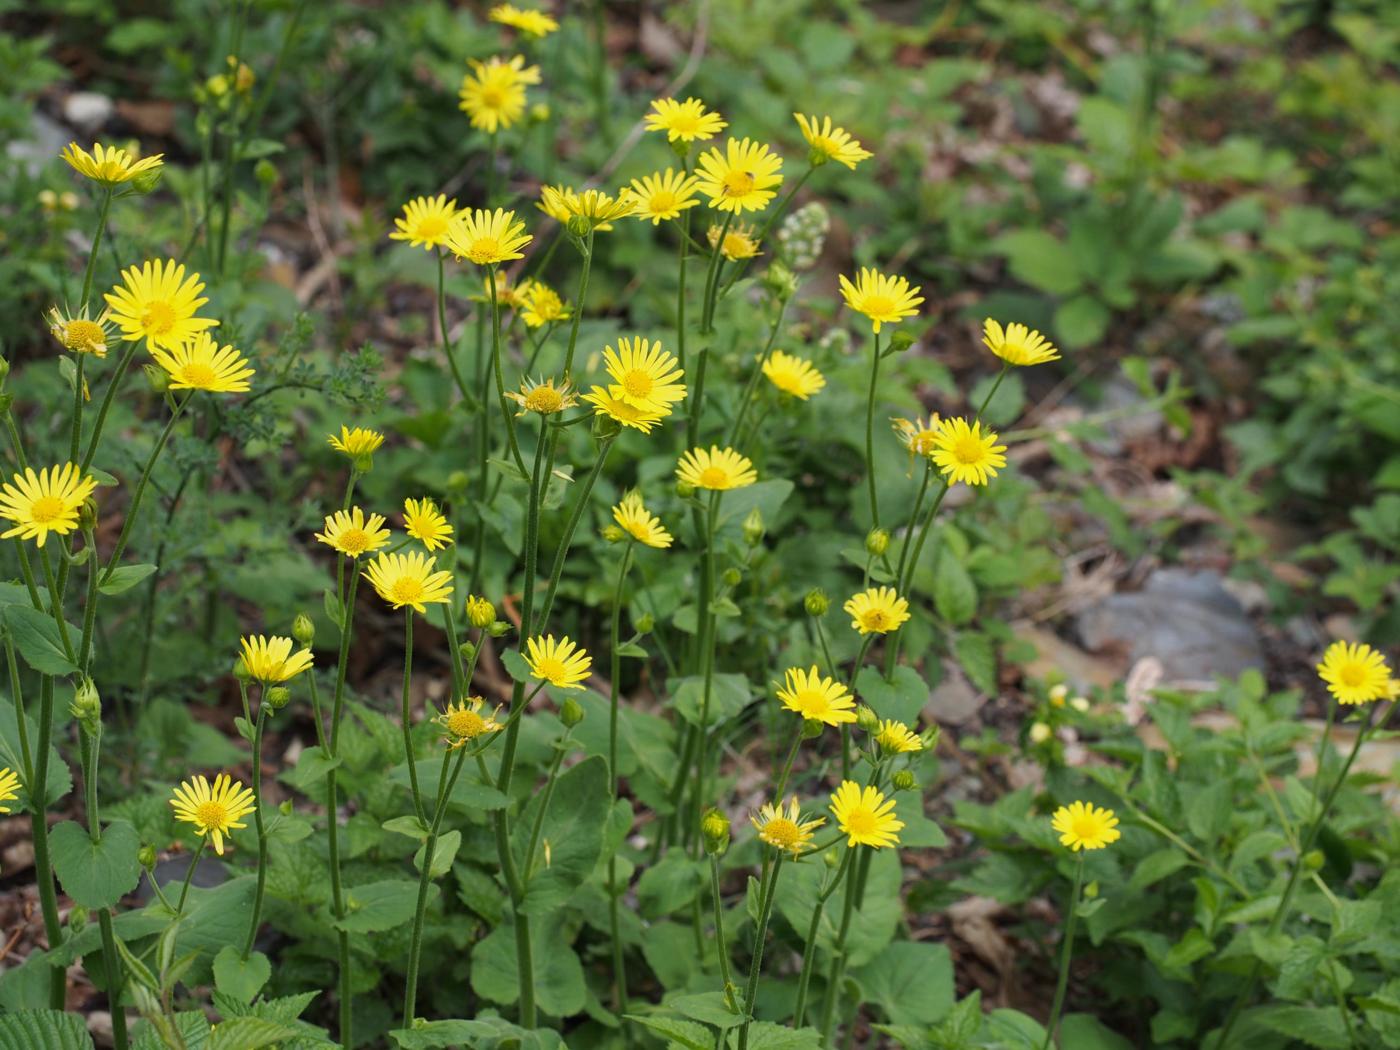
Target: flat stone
(954,702)
(87,110)
(44,142)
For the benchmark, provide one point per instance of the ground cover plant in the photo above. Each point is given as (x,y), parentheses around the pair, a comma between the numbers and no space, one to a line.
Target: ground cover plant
(663,526)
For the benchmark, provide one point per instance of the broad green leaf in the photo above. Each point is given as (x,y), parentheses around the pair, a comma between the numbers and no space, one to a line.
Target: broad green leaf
(669,884)
(572,832)
(729,693)
(685,1034)
(559,984)
(1081,321)
(37,639)
(96,875)
(901,697)
(444,853)
(309,774)
(1318,1026)
(125,577)
(486,1033)
(49,1029)
(911,981)
(1157,866)
(954,593)
(764,1035)
(381,905)
(1040,260)
(251,1033)
(239,977)
(978,659)
(706,1007)
(1086,1032)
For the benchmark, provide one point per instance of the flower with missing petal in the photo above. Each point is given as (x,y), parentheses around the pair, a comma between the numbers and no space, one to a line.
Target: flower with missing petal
(80,334)
(609,401)
(425,523)
(157,302)
(409,580)
(202,364)
(356,443)
(271,660)
(829,142)
(543,398)
(643,526)
(817,698)
(352,533)
(425,221)
(883,299)
(919,437)
(1018,345)
(793,375)
(739,242)
(214,811)
(785,829)
(967,453)
(743,177)
(562,664)
(463,722)
(541,305)
(865,816)
(1083,825)
(687,121)
(877,610)
(896,738)
(45,502)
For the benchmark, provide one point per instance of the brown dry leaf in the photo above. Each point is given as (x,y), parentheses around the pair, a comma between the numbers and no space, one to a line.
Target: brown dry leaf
(154,117)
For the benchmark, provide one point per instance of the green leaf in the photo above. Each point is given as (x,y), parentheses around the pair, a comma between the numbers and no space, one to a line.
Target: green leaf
(978,659)
(706,1007)
(685,1034)
(309,774)
(515,665)
(573,829)
(954,593)
(1085,1032)
(1322,1027)
(1157,866)
(252,1033)
(901,697)
(36,637)
(911,981)
(96,875)
(1040,260)
(559,984)
(764,1035)
(334,611)
(378,906)
(729,693)
(1081,321)
(486,1033)
(669,884)
(49,1029)
(633,650)
(125,577)
(407,825)
(239,977)
(444,853)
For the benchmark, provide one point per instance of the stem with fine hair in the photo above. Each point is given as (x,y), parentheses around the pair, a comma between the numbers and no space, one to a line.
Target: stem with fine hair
(37,789)
(721,944)
(838,958)
(448,350)
(575,515)
(614,694)
(747,398)
(261,888)
(809,947)
(92,256)
(90,742)
(140,490)
(705,624)
(347,615)
(106,405)
(496,368)
(870,433)
(407,718)
(1066,952)
(767,890)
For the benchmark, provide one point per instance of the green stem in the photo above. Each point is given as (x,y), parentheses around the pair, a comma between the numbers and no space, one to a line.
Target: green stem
(747,398)
(189,876)
(575,515)
(56,603)
(447,349)
(261,889)
(140,491)
(39,831)
(870,434)
(705,620)
(407,717)
(496,369)
(333,818)
(614,695)
(537,829)
(578,306)
(838,962)
(787,766)
(680,289)
(92,257)
(707,312)
(721,944)
(768,890)
(809,948)
(77,437)
(1066,952)
(773,217)
(90,745)
(106,405)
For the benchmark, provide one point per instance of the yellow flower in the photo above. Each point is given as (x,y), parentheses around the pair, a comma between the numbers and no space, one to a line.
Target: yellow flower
(609,401)
(532,23)
(487,237)
(560,663)
(480,612)
(1018,345)
(883,299)
(865,816)
(157,303)
(920,438)
(201,364)
(688,121)
(1354,673)
(742,178)
(110,167)
(81,334)
(425,523)
(271,659)
(897,738)
(352,534)
(877,610)
(830,143)
(638,522)
(541,305)
(739,242)
(554,202)
(716,469)
(593,207)
(463,722)
(425,221)
(45,502)
(356,443)
(213,811)
(967,453)
(664,195)
(793,375)
(493,94)
(822,699)
(409,579)
(1084,826)
(785,831)
(543,398)
(8,783)
(646,377)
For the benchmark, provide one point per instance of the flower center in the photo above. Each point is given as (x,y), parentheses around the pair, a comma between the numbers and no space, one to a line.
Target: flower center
(465,723)
(432,227)
(738,183)
(544,400)
(493,97)
(713,478)
(159,318)
(1086,830)
(874,619)
(484,250)
(685,124)
(782,833)
(878,306)
(663,201)
(968,451)
(860,822)
(1352,675)
(637,383)
(80,334)
(197,374)
(212,814)
(354,541)
(406,590)
(551,669)
(46,509)
(812,703)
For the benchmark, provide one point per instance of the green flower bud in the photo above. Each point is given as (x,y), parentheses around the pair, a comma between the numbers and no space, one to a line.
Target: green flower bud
(605,426)
(816,603)
(481,614)
(4,369)
(867,719)
(753,527)
(781,282)
(277,697)
(146,857)
(830,859)
(714,829)
(816,157)
(905,781)
(1313,860)
(86,707)
(458,481)
(1092,890)
(579,225)
(613,534)
(930,737)
(685,489)
(87,518)
(732,577)
(265,172)
(157,377)
(6,400)
(285,807)
(498,628)
(571,712)
(78,918)
(900,342)
(811,728)
(304,629)
(146,182)
(363,463)
(645,624)
(877,541)
(467,651)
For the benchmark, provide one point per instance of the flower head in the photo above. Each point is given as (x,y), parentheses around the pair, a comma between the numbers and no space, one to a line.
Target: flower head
(45,502)
(920,438)
(738,243)
(9,782)
(1084,826)
(813,697)
(793,375)
(214,811)
(532,23)
(356,443)
(646,377)
(883,299)
(830,143)
(865,816)
(562,663)
(353,534)
(877,610)
(202,364)
(157,302)
(785,830)
(487,237)
(81,334)
(464,722)
(967,453)
(543,398)
(639,523)
(108,166)
(1017,345)
(480,612)
(409,580)
(663,195)
(687,121)
(716,469)
(425,221)
(896,738)
(595,209)
(609,401)
(541,305)
(493,93)
(425,523)
(744,177)
(1354,673)
(271,659)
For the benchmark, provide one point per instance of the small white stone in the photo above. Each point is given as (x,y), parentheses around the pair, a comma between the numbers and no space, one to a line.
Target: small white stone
(87,110)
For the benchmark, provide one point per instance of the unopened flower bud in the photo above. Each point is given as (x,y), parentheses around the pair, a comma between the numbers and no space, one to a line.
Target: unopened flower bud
(867,719)
(498,628)
(753,527)
(900,342)
(645,624)
(304,629)
(265,172)
(605,426)
(467,651)
(6,401)
(780,282)
(877,541)
(4,368)
(147,181)
(87,515)
(86,707)
(905,781)
(1058,694)
(146,857)
(277,697)
(458,481)
(78,918)
(816,602)
(1313,860)
(539,112)
(579,225)
(685,489)
(480,612)
(1040,732)
(714,829)
(285,807)
(1080,704)
(930,736)
(613,534)
(811,728)
(571,712)
(732,577)
(830,859)
(157,378)
(1091,891)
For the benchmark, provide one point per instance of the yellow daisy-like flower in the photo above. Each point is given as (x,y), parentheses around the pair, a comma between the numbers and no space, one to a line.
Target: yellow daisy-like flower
(157,302)
(356,443)
(109,166)
(896,738)
(532,23)
(744,177)
(639,523)
(739,242)
(883,299)
(353,534)
(214,811)
(716,469)
(830,143)
(646,377)
(688,121)
(1017,345)
(1354,673)
(793,375)
(81,334)
(543,398)
(562,663)
(425,221)
(554,202)
(409,579)
(487,237)
(609,401)
(480,612)
(1084,826)
(271,659)
(919,437)
(821,699)
(45,502)
(877,610)
(594,207)
(425,523)
(493,93)
(9,783)
(541,305)
(463,722)
(865,816)
(785,830)
(967,453)
(664,195)
(202,364)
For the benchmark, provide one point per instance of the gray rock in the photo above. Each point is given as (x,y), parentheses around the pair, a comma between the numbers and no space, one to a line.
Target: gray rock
(954,701)
(1185,619)
(87,110)
(44,142)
